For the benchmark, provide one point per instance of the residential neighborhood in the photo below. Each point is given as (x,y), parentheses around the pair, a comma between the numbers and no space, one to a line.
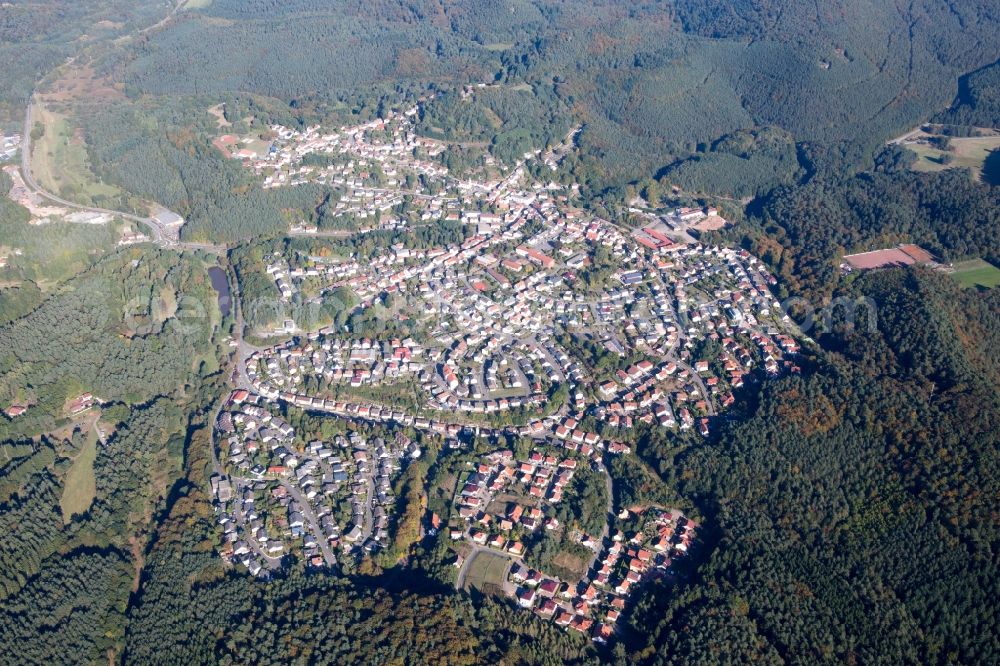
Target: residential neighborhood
(546,325)
(594,604)
(277,495)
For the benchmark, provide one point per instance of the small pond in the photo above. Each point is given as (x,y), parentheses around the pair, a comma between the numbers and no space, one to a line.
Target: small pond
(221,286)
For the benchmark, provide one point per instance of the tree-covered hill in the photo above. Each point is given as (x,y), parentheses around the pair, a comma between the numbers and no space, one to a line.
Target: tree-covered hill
(650,80)
(37,36)
(855,508)
(130,329)
(978,100)
(805,230)
(671,90)
(138,330)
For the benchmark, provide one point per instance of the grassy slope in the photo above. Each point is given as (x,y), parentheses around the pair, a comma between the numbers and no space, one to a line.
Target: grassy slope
(60,163)
(967,152)
(486,569)
(80,485)
(977,273)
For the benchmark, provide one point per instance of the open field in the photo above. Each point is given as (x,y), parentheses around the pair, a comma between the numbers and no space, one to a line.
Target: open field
(80,83)
(485,571)
(968,152)
(569,566)
(446,486)
(219,113)
(257,146)
(80,486)
(977,273)
(60,164)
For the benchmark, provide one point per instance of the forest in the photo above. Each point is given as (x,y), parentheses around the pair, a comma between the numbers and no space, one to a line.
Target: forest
(743,164)
(853,507)
(657,89)
(106,331)
(803,231)
(978,101)
(508,120)
(162,152)
(129,329)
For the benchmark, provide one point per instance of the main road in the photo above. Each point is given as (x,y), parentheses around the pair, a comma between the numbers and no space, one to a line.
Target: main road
(158,233)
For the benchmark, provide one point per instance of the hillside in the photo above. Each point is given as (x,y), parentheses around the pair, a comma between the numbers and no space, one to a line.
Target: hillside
(37,36)
(650,81)
(71,576)
(712,98)
(852,505)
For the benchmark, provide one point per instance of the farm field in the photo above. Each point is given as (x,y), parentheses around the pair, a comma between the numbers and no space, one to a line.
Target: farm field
(80,486)
(968,152)
(60,163)
(486,571)
(977,273)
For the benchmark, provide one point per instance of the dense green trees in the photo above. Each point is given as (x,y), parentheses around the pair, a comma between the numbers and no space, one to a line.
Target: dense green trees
(17,301)
(163,152)
(508,120)
(353,46)
(807,229)
(32,520)
(851,515)
(131,330)
(80,600)
(73,580)
(978,100)
(743,164)
(128,330)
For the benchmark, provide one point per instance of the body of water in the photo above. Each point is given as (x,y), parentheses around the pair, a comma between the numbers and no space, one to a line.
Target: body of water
(221,286)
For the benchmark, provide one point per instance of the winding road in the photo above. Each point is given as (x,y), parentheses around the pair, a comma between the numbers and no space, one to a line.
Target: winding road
(160,236)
